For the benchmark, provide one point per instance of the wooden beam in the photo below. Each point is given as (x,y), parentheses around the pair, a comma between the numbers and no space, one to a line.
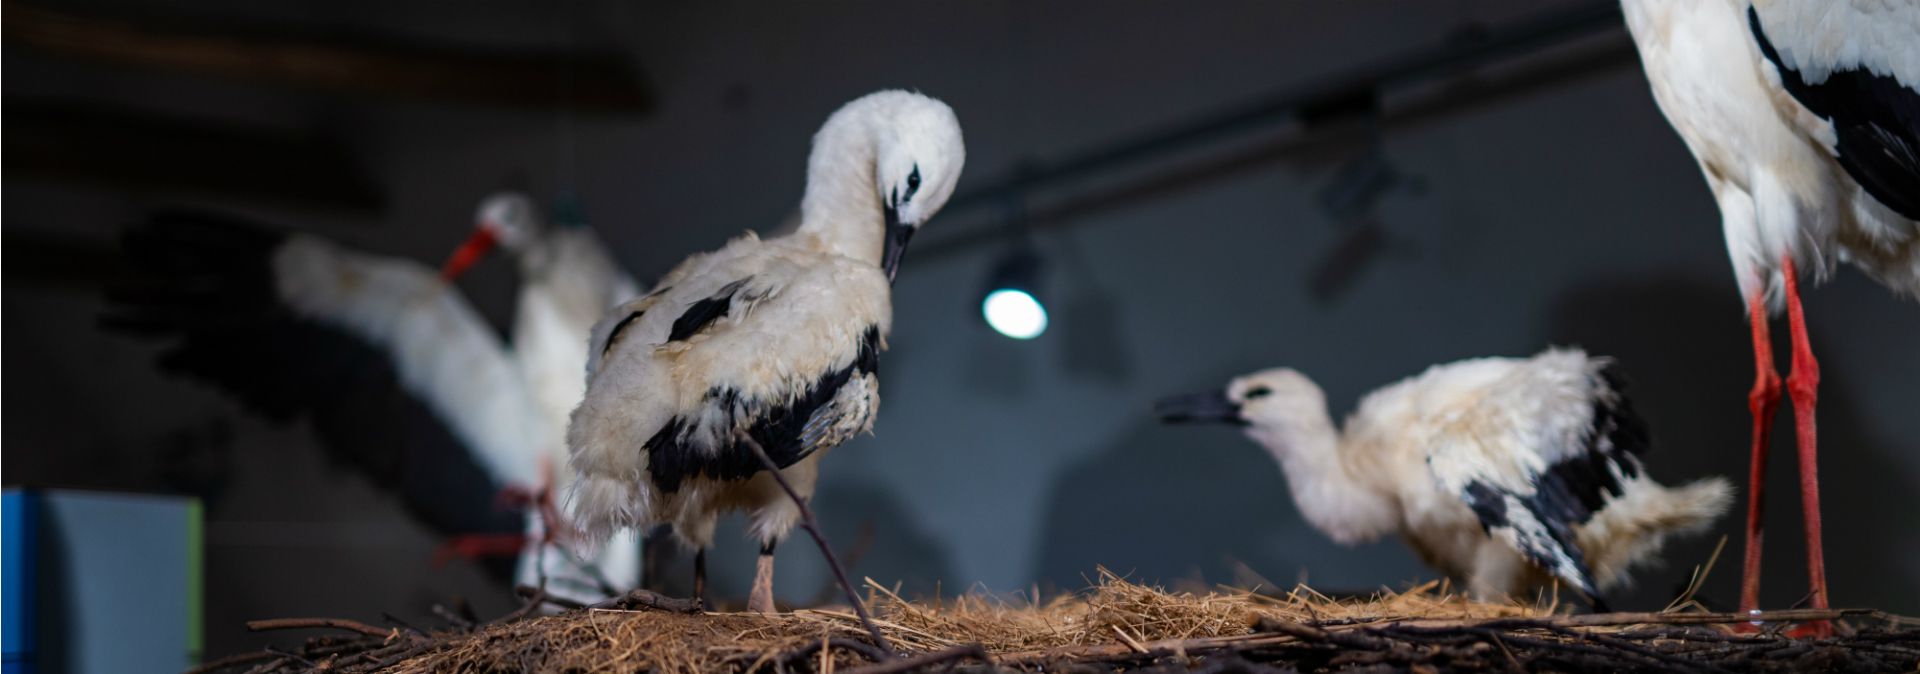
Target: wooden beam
(139,152)
(361,66)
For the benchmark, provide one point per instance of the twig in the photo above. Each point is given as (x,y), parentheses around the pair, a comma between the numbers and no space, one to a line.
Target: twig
(812,526)
(533,603)
(458,621)
(897,665)
(233,661)
(321,623)
(644,598)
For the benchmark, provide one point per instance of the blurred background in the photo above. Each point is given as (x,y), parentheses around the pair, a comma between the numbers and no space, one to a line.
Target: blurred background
(1357,190)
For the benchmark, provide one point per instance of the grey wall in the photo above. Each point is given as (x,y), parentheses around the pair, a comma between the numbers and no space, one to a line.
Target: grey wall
(1571,215)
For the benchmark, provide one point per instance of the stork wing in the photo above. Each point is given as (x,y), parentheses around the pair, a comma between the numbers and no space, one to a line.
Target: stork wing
(399,375)
(1537,452)
(776,344)
(1855,64)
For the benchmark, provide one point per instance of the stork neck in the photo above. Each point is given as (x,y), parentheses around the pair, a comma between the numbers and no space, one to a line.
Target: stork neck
(534,259)
(841,210)
(1326,488)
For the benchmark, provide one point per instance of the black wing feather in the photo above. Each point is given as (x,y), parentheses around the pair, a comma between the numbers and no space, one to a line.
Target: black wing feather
(1570,491)
(1876,121)
(704,312)
(778,426)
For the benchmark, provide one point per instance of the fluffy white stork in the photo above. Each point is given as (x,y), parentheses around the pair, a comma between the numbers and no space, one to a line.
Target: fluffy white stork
(1805,118)
(773,340)
(296,325)
(1504,473)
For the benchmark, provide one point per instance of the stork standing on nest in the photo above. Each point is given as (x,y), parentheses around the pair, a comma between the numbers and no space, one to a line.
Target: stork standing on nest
(1501,472)
(297,325)
(568,278)
(1805,118)
(772,342)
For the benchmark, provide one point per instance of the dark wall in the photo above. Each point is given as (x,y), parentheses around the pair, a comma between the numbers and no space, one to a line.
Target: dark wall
(1567,214)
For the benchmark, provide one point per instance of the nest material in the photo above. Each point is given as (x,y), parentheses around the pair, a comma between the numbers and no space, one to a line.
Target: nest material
(1116,625)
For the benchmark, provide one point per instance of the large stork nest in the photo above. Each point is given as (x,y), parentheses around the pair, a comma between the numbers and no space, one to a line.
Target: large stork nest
(1115,625)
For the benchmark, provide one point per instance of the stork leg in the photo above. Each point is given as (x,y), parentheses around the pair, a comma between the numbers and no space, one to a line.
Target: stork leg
(656,550)
(700,576)
(761,600)
(1803,383)
(1762,401)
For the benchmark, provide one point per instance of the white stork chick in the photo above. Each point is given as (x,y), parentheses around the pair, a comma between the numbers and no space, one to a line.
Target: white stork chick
(776,340)
(1804,115)
(1502,473)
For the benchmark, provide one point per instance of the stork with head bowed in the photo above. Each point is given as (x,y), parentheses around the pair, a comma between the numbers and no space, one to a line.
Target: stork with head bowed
(768,342)
(397,372)
(1804,116)
(1504,473)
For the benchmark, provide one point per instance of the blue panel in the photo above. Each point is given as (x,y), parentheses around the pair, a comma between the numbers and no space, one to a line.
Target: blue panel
(122,584)
(17,550)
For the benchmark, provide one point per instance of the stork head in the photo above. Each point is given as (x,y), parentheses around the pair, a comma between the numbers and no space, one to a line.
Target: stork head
(907,144)
(1269,404)
(507,220)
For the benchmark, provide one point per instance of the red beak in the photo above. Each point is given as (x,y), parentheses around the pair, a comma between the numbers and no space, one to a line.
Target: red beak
(470,252)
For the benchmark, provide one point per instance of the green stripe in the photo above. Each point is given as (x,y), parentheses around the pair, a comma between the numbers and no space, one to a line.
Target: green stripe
(196,557)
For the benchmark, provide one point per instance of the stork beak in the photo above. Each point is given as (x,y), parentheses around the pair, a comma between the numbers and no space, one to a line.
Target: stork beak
(897,237)
(1196,408)
(469,252)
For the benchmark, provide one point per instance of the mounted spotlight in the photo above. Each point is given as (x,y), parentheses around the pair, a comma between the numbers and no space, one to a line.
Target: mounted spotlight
(1012,304)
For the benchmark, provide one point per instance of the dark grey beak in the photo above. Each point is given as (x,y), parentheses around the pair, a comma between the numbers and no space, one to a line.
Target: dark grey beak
(897,237)
(1199,408)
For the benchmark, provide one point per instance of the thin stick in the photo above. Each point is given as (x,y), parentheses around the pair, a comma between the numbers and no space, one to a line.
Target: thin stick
(321,623)
(642,598)
(897,665)
(232,661)
(826,550)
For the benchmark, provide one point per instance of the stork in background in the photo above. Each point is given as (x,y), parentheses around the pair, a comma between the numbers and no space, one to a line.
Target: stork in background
(1503,473)
(1805,119)
(567,280)
(770,345)
(297,326)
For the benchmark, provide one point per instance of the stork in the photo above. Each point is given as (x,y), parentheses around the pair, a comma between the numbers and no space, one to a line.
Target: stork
(771,343)
(295,325)
(1504,473)
(1805,119)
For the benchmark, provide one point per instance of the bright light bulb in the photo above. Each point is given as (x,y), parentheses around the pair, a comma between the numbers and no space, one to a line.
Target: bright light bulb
(1015,313)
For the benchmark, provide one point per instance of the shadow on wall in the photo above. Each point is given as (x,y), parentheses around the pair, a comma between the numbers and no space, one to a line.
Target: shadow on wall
(1685,350)
(1166,504)
(876,537)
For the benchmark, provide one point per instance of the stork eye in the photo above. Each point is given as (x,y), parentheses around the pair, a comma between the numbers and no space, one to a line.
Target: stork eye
(913,180)
(1257,392)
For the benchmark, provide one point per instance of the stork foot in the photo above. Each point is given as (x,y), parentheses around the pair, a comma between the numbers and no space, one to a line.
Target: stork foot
(1818,629)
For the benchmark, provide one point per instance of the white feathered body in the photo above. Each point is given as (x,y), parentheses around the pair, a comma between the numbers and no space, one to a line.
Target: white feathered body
(1771,163)
(568,280)
(1409,451)
(796,310)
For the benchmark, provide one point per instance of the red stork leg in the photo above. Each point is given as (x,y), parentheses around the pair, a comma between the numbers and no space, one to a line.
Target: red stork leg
(1762,401)
(1803,383)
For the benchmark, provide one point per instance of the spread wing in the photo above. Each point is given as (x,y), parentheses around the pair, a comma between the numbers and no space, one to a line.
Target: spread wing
(398,375)
(1539,452)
